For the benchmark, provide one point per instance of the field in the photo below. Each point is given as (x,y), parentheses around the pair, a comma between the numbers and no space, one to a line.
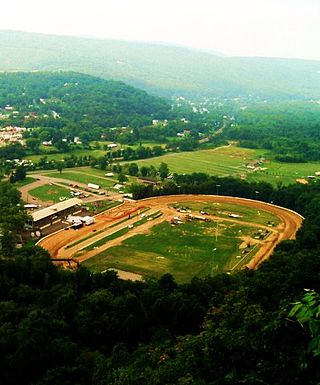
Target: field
(233,161)
(224,210)
(184,251)
(184,243)
(60,156)
(50,193)
(24,182)
(94,151)
(81,177)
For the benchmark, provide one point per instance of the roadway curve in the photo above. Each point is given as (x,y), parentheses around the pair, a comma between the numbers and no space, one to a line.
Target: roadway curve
(56,243)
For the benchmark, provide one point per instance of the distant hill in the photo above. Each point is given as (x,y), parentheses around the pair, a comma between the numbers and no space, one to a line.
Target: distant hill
(67,98)
(163,70)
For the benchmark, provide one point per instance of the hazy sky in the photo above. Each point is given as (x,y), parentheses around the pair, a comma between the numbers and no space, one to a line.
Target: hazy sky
(282,28)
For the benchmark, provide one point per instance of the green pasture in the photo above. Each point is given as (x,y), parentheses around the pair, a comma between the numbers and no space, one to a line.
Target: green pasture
(95,151)
(101,173)
(60,156)
(187,250)
(221,161)
(232,161)
(79,177)
(284,173)
(222,210)
(50,193)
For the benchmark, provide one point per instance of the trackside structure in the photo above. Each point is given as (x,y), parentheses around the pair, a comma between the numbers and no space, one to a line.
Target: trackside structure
(48,215)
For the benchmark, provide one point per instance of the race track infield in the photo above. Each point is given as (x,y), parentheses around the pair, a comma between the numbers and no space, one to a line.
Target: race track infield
(127,220)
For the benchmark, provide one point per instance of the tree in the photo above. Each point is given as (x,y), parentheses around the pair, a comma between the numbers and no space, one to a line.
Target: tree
(307,313)
(20,173)
(122,178)
(33,144)
(144,171)
(60,166)
(133,169)
(163,170)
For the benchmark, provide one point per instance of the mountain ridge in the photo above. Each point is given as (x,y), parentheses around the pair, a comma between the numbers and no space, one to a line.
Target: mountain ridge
(165,70)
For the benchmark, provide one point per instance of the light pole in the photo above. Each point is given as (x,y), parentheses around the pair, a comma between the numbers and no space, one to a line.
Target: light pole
(217,186)
(257,192)
(213,260)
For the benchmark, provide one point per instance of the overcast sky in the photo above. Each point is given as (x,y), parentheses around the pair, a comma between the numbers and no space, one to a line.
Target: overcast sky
(280,28)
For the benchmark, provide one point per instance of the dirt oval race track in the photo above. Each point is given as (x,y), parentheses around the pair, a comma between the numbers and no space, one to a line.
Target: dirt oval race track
(60,244)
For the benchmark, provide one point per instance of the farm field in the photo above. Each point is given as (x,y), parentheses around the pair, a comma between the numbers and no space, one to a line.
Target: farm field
(50,193)
(232,161)
(184,251)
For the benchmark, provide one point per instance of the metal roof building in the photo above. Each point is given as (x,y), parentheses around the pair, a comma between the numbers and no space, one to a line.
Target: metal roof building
(55,210)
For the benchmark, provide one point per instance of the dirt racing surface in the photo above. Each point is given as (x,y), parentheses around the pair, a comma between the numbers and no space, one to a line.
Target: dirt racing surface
(72,243)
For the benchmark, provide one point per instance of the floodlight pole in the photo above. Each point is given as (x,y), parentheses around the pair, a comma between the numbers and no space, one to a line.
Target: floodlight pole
(217,228)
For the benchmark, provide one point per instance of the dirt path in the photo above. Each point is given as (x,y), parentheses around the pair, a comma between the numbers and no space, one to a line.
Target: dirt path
(56,243)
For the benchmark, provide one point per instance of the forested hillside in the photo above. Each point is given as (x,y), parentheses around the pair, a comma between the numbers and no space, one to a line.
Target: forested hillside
(62,327)
(290,129)
(164,70)
(59,99)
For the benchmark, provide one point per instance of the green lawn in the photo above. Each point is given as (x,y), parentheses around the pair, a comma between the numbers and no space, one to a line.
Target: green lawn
(60,156)
(93,151)
(79,177)
(232,161)
(247,214)
(223,161)
(24,182)
(184,251)
(50,193)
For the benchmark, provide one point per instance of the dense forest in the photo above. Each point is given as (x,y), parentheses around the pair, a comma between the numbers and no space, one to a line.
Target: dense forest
(75,327)
(160,69)
(75,101)
(290,130)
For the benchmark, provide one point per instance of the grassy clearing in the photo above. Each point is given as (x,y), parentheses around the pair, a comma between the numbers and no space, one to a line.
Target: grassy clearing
(188,250)
(232,161)
(222,161)
(94,151)
(50,193)
(79,177)
(24,182)
(61,156)
(222,210)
